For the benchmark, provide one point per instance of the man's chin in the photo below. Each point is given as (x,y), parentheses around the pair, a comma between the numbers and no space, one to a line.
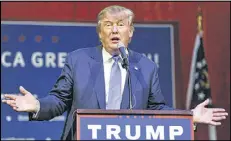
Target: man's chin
(113,46)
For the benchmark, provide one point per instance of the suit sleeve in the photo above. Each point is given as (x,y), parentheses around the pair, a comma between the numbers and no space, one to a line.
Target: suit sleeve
(156,99)
(60,96)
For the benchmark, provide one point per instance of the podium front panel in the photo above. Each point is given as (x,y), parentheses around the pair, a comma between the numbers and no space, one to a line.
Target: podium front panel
(134,127)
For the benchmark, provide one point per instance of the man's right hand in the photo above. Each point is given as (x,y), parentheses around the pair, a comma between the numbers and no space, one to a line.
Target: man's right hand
(22,103)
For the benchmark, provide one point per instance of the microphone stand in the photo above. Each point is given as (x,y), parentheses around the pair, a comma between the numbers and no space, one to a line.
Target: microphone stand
(126,66)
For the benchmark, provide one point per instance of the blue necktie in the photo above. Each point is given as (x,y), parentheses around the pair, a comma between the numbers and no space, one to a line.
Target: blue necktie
(114,95)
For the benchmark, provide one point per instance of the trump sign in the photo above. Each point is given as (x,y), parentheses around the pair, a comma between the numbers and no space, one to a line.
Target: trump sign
(135,125)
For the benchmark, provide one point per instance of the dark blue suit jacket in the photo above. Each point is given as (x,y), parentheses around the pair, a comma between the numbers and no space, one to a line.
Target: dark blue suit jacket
(81,86)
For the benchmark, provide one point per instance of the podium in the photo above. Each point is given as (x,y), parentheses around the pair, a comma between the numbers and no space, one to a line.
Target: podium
(126,124)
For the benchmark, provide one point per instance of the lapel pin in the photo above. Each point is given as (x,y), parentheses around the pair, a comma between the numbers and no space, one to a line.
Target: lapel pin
(135,68)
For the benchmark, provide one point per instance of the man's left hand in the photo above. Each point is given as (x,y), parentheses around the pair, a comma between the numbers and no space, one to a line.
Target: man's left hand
(212,116)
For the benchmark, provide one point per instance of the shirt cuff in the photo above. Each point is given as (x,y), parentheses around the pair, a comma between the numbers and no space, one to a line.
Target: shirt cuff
(35,115)
(195,127)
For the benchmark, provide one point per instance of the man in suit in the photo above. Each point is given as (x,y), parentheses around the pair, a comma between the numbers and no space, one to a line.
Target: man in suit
(94,78)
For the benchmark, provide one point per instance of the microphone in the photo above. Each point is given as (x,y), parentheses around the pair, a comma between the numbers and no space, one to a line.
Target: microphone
(124,55)
(125,65)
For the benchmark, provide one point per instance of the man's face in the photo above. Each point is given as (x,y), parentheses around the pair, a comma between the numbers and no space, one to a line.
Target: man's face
(115,28)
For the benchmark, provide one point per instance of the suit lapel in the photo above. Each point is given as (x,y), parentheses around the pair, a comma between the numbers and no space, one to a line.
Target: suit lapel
(97,75)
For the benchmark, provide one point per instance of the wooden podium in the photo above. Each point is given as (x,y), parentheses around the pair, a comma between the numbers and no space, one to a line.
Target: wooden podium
(124,124)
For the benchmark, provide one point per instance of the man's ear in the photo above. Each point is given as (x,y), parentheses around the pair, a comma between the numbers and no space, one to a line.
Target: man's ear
(100,35)
(130,33)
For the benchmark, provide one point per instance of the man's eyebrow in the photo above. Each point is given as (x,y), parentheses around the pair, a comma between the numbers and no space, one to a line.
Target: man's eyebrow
(122,20)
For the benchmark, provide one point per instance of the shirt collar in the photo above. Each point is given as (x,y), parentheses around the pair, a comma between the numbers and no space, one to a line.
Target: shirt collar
(107,56)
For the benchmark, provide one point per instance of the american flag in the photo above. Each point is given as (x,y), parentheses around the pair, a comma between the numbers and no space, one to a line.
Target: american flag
(199,87)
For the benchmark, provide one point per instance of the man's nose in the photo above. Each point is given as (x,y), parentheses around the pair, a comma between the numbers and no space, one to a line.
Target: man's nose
(114,29)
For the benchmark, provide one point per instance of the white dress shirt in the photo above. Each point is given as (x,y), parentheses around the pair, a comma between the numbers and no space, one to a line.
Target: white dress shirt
(107,63)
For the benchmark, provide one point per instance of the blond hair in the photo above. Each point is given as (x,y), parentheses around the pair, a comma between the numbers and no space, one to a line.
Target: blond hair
(115,9)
